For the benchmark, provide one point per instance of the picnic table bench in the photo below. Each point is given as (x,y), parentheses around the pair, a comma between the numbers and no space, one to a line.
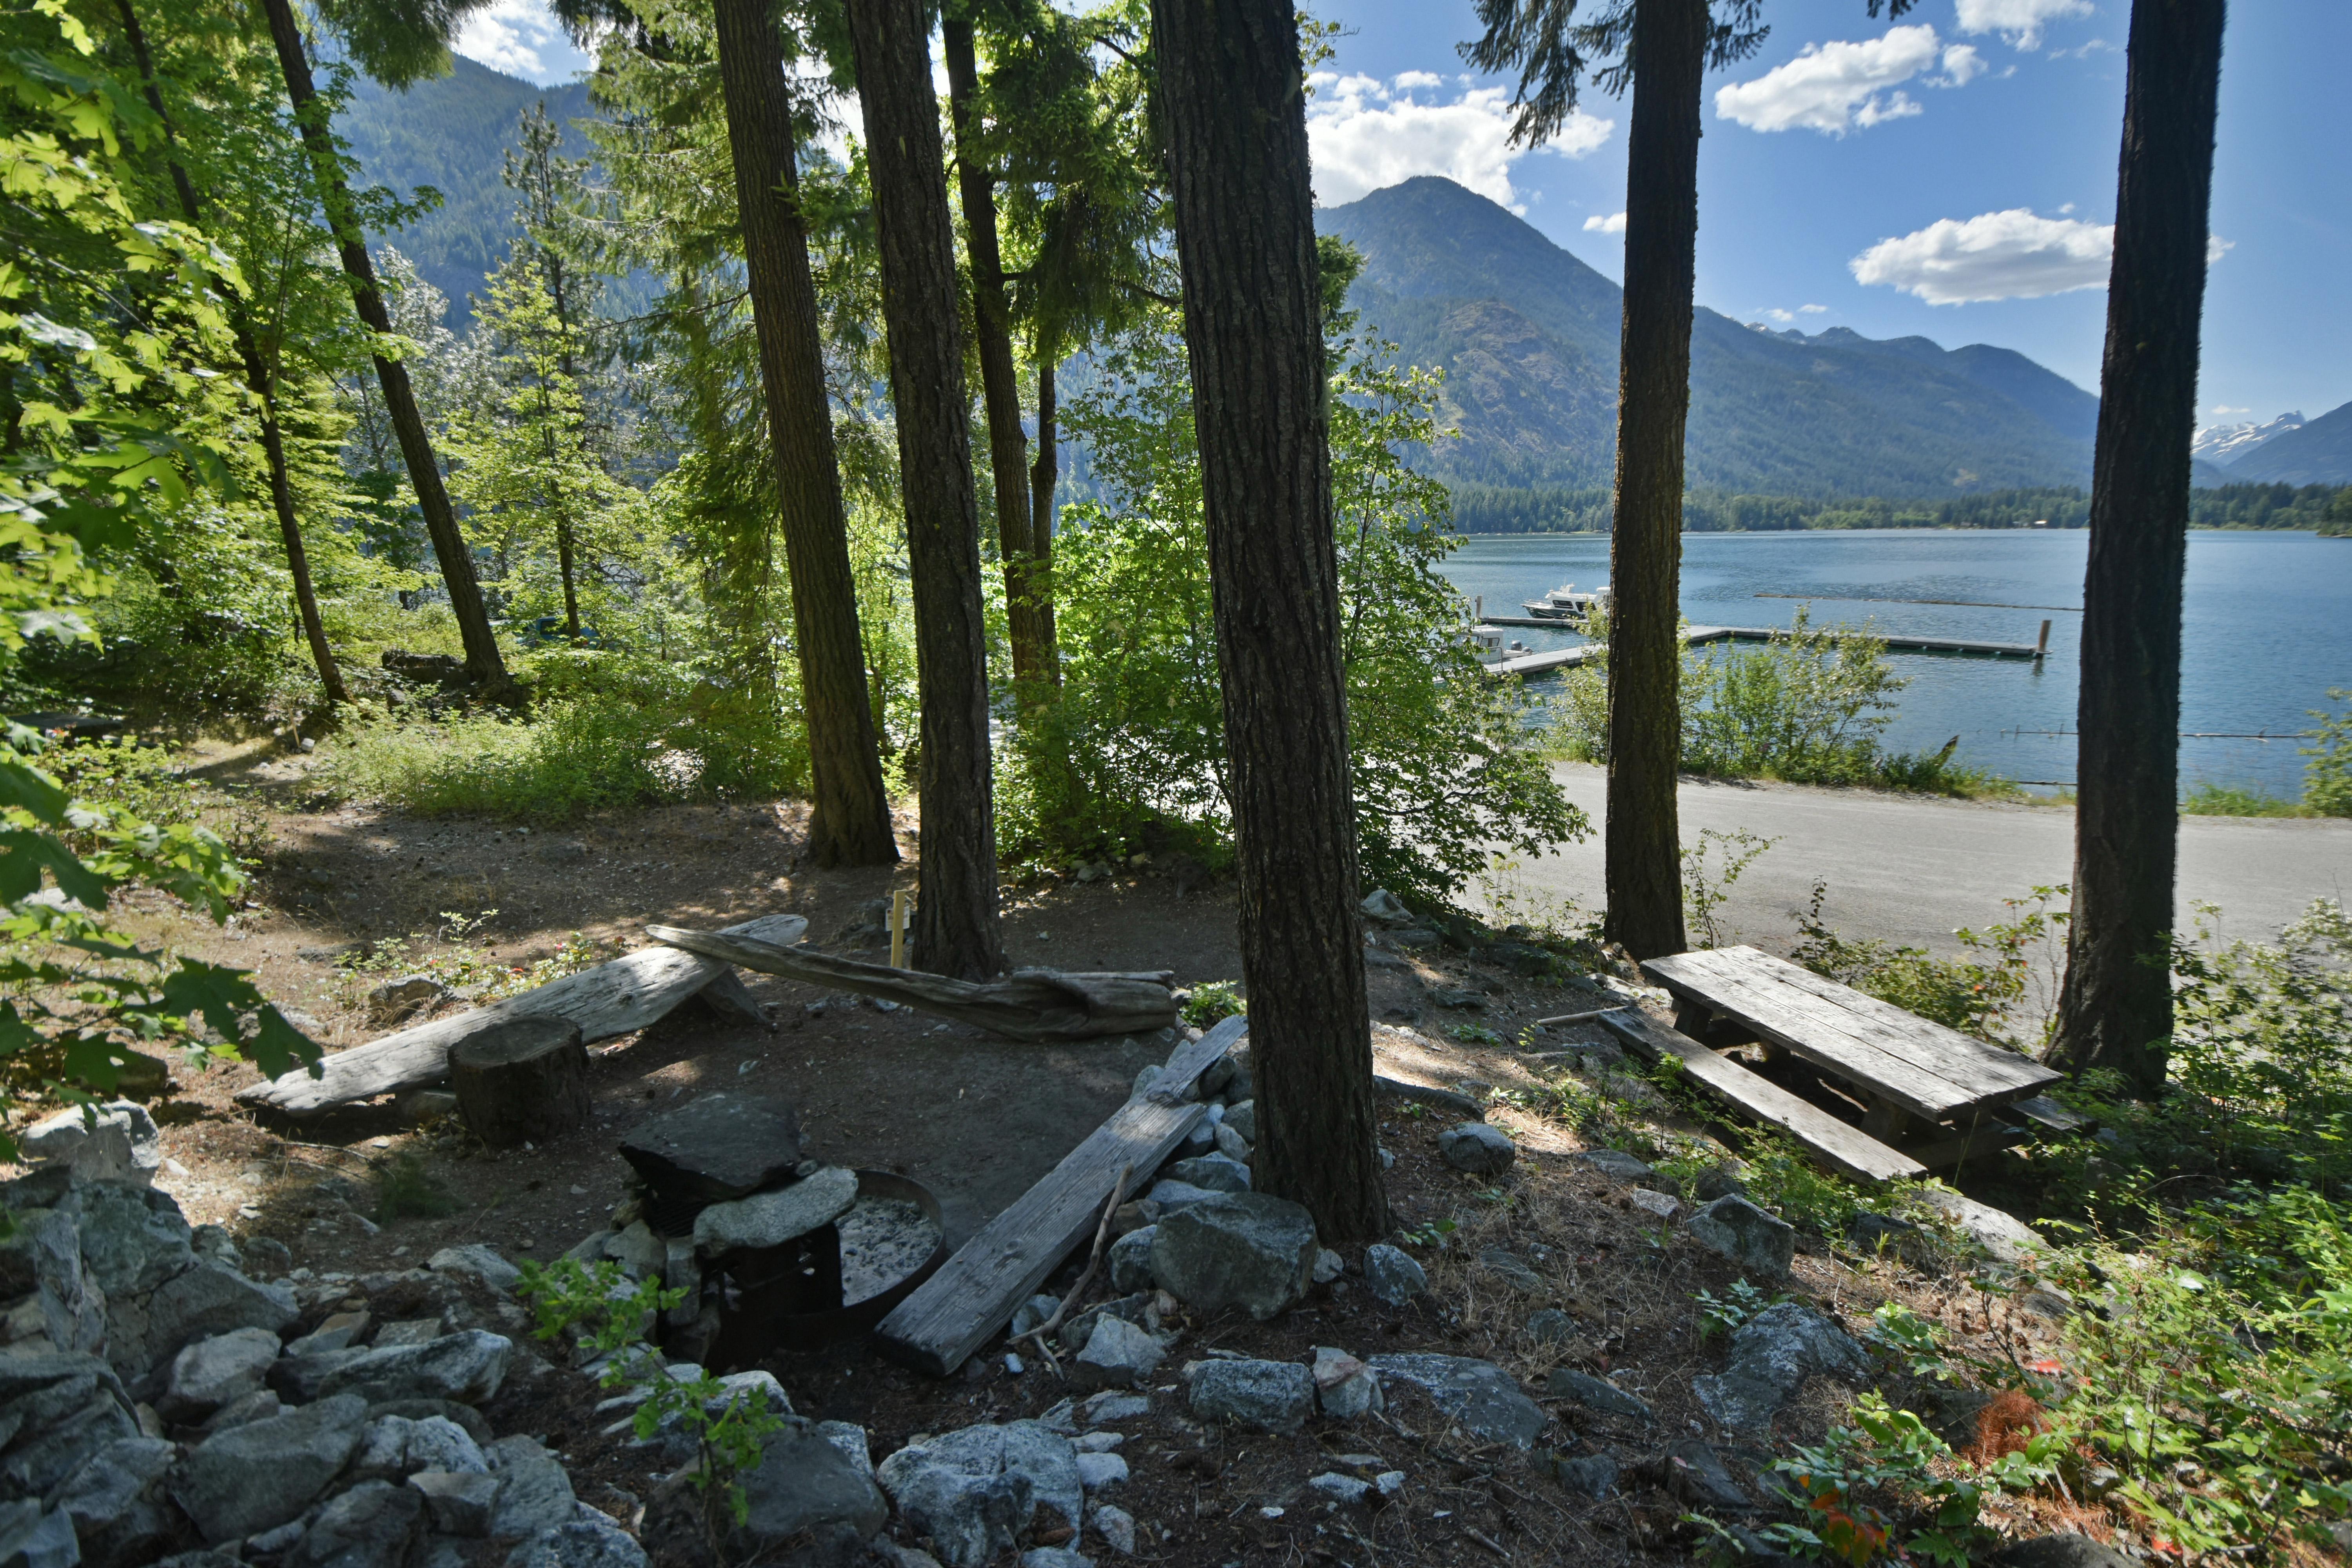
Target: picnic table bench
(1920,1084)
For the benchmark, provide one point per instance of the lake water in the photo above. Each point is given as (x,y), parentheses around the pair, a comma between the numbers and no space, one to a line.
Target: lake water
(2267,629)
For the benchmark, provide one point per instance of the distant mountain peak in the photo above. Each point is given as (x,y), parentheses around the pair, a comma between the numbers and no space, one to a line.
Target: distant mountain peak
(2226,443)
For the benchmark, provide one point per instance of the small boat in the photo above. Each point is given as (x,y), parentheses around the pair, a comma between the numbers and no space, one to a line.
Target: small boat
(1564,603)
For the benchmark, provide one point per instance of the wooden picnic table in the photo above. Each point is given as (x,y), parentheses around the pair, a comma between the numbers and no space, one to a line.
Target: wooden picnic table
(1899,1065)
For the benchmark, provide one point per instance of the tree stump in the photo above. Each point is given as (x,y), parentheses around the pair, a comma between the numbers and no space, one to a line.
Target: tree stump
(525,1080)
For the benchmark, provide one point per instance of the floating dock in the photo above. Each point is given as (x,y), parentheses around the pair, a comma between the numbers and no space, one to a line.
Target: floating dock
(1570,658)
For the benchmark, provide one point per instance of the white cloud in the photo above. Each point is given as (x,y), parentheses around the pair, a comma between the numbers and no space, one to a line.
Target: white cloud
(1614,223)
(1832,88)
(1812,309)
(1366,135)
(2225,408)
(1783,317)
(520,37)
(2012,255)
(2020,22)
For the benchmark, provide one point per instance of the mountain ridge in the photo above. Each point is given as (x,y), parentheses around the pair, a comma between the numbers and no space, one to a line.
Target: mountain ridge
(2319,452)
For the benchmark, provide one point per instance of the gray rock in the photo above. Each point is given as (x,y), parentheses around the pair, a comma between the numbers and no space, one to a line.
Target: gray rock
(1105,1408)
(1875,1234)
(215,1242)
(1033,1314)
(1240,1250)
(1696,1475)
(369,1526)
(1501,1264)
(1328,1265)
(200,1560)
(392,1447)
(1745,1234)
(477,1262)
(1230,1144)
(467,1366)
(1129,1260)
(1394,1275)
(1476,1147)
(216,1372)
(1170,1195)
(264,1474)
(1550,1327)
(594,1542)
(638,1251)
(1215,1172)
(299,1378)
(1386,908)
(534,1492)
(719,1147)
(56,1412)
(266,1258)
(1200,1138)
(202,1301)
(1262,1395)
(772,1218)
(393,1000)
(804,1484)
(1662,1206)
(458,1500)
(972,1490)
(338,1332)
(1242,1117)
(133,1238)
(2003,1236)
(1054,1557)
(1596,1394)
(1345,1387)
(32,1538)
(849,1440)
(1771,1355)
(1718,1181)
(1478,1395)
(2068,1551)
(1118,1354)
(117,1142)
(1616,1164)
(1096,1471)
(259,1406)
(1594,1475)
(1098,1442)
(410,1332)
(675,1446)
(42,1259)
(121,1513)
(1115,1526)
(1339,1489)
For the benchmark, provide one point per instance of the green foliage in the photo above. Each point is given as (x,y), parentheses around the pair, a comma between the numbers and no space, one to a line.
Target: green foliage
(2236,800)
(2337,523)
(1212,1002)
(1740,1302)
(2328,776)
(608,1315)
(1706,886)
(406,1187)
(1134,752)
(1875,1489)
(2011,963)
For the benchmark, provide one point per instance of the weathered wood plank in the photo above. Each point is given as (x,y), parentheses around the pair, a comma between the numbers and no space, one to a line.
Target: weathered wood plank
(1039,1005)
(610,1000)
(1835,1144)
(975,1292)
(1932,1071)
(2044,1111)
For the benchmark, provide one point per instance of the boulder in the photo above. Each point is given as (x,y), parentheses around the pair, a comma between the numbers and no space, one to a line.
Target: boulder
(265,1473)
(117,1142)
(466,1367)
(715,1148)
(207,1299)
(133,1238)
(1239,1249)
(1476,1147)
(459,1502)
(1115,1526)
(1096,1471)
(1737,1230)
(1476,1395)
(216,1372)
(1394,1275)
(1105,1408)
(1054,1557)
(1695,1474)
(2004,1237)
(1262,1395)
(1129,1260)
(1167,1196)
(56,1412)
(369,1526)
(1500,1263)
(1771,1354)
(973,1490)
(392,1447)
(1345,1387)
(771,1218)
(337,1332)
(1874,1235)
(1550,1327)
(1661,1206)
(1230,1144)
(1242,1117)
(477,1262)
(42,1257)
(804,1485)
(1616,1164)
(1593,1476)
(534,1492)
(591,1540)
(1215,1172)
(395,1000)
(121,1509)
(1596,1394)
(1118,1354)
(30,1538)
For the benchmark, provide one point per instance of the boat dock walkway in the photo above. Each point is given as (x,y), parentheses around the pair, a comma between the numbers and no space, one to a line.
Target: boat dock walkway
(1570,658)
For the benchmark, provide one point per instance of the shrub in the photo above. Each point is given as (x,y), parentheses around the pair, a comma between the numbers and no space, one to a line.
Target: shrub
(2327,777)
(2013,964)
(1212,1002)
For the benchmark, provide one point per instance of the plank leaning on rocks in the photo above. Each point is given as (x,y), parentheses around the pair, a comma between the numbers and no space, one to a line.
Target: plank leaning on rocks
(608,1001)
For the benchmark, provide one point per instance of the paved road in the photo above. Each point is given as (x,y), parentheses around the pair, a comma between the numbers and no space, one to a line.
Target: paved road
(1908,869)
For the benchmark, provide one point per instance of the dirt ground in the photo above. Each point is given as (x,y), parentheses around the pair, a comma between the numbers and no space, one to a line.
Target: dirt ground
(978,1120)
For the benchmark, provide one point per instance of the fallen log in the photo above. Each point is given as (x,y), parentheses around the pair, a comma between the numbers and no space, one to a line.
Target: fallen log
(610,1000)
(1034,1005)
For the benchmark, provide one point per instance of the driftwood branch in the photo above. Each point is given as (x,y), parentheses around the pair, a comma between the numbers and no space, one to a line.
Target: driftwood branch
(610,1000)
(1093,1261)
(1035,1004)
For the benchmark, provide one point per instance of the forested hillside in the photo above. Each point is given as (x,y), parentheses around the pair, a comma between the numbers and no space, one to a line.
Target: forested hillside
(2320,453)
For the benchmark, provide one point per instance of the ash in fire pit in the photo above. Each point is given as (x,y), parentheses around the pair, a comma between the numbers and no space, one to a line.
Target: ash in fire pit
(883,1242)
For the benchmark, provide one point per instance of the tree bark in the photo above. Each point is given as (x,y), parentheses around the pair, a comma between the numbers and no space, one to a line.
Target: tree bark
(999,388)
(956,931)
(850,822)
(483,660)
(2115,1007)
(526,1081)
(257,380)
(1044,475)
(1642,835)
(1232,102)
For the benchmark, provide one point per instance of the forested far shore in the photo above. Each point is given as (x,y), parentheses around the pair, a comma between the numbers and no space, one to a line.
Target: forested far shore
(1500,509)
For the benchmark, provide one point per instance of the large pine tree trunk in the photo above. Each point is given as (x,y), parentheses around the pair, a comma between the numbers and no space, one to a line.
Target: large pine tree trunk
(850,824)
(2115,1008)
(1044,475)
(1232,102)
(483,661)
(257,380)
(1642,835)
(956,930)
(1000,390)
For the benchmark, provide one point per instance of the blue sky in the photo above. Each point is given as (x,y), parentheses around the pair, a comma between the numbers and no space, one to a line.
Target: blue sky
(1949,175)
